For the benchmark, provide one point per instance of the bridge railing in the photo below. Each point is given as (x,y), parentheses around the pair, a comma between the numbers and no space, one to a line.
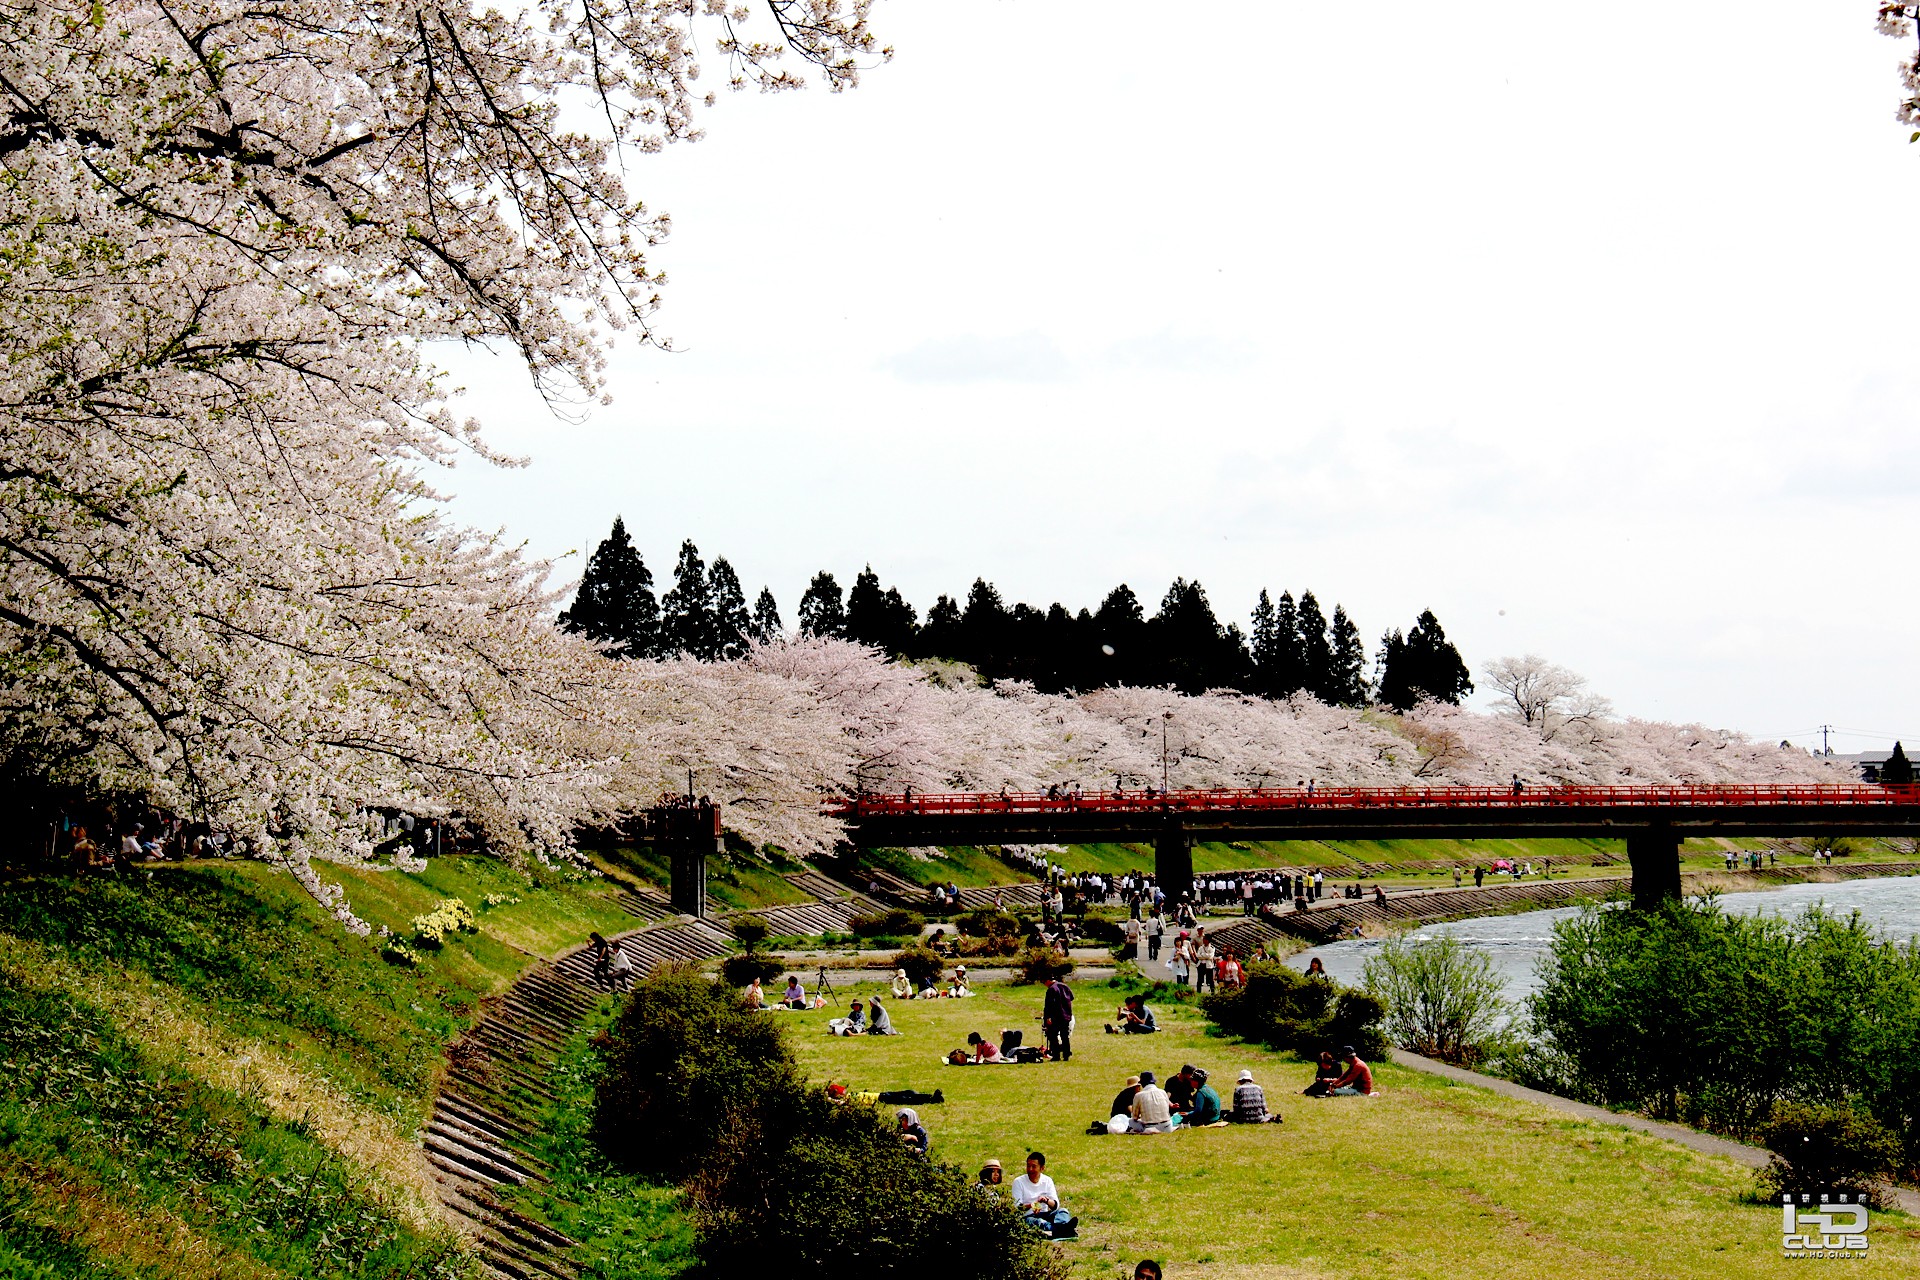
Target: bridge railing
(941,804)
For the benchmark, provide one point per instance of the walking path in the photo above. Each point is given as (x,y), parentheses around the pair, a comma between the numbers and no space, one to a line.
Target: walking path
(1738,1152)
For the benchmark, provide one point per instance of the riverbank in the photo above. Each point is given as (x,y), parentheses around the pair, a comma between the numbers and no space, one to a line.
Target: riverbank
(1334,918)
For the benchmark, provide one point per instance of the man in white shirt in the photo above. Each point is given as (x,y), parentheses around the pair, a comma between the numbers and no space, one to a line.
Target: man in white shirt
(1152,1111)
(1033,1192)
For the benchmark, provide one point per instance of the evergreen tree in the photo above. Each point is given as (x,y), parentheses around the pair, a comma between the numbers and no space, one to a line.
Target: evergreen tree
(882,619)
(1120,641)
(766,625)
(983,628)
(1392,673)
(1423,665)
(1276,648)
(823,610)
(732,627)
(940,638)
(1286,675)
(686,612)
(1347,682)
(1192,651)
(1316,654)
(615,605)
(1897,771)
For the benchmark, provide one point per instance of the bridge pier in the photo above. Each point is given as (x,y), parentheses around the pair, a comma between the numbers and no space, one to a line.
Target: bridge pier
(1173,863)
(1655,856)
(688,834)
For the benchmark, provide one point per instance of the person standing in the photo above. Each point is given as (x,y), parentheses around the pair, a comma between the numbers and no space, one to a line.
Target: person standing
(1133,938)
(1180,964)
(1204,956)
(1246,895)
(1056,1017)
(1479,874)
(619,967)
(1156,928)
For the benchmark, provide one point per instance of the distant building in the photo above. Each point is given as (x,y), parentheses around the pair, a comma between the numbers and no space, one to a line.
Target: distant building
(1866,762)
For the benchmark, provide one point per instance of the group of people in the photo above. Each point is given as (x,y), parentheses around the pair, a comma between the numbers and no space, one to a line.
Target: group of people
(930,988)
(1186,1101)
(1034,1194)
(868,1019)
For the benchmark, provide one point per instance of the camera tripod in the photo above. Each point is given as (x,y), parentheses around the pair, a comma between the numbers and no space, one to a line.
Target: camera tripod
(822,983)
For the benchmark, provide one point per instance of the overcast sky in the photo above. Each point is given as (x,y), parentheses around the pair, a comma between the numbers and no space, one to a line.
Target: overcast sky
(1588,327)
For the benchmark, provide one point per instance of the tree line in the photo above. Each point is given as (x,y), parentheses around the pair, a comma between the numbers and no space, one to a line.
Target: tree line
(1293,647)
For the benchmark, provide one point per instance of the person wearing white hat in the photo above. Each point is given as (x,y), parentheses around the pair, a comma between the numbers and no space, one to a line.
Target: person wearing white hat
(1250,1103)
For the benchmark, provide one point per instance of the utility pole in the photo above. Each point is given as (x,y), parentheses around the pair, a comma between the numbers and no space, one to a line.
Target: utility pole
(1825,729)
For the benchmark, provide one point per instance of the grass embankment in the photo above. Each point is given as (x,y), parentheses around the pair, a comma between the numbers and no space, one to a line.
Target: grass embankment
(1429,1180)
(970,867)
(734,879)
(201,1074)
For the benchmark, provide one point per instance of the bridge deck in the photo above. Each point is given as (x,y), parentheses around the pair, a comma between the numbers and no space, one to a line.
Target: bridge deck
(1358,813)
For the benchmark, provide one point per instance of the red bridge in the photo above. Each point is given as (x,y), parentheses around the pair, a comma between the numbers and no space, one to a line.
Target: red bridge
(1652,820)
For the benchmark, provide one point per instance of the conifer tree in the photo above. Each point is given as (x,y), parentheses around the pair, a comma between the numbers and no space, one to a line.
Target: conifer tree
(732,627)
(983,628)
(1347,679)
(615,605)
(1120,640)
(882,619)
(766,625)
(823,609)
(1898,770)
(1422,665)
(940,638)
(686,611)
(1316,653)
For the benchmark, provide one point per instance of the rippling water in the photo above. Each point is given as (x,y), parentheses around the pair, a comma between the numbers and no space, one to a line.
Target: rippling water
(1516,942)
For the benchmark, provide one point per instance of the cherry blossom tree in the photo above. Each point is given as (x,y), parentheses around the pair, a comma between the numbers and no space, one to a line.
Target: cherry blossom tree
(229,234)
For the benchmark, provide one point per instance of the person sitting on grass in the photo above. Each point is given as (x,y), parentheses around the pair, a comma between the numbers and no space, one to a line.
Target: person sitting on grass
(1205,1110)
(1123,1100)
(912,1132)
(1356,1081)
(957,985)
(1135,1018)
(878,1023)
(754,996)
(984,1050)
(855,1023)
(1148,1269)
(902,989)
(1324,1074)
(1150,1112)
(795,996)
(991,1175)
(1034,1192)
(1250,1102)
(1180,1089)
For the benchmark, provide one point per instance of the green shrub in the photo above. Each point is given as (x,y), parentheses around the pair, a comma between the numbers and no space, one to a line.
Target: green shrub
(895,921)
(922,965)
(1820,1148)
(751,931)
(738,971)
(987,923)
(1288,1010)
(1690,1013)
(1104,924)
(398,950)
(684,1063)
(448,917)
(1037,964)
(999,945)
(1442,999)
(779,1198)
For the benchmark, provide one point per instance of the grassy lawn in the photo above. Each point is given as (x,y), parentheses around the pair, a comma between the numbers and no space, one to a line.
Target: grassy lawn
(1430,1179)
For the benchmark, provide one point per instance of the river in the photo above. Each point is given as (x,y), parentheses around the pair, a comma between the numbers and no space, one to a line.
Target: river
(1516,942)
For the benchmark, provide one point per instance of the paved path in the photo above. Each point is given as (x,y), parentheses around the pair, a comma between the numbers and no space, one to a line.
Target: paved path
(1738,1152)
